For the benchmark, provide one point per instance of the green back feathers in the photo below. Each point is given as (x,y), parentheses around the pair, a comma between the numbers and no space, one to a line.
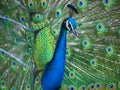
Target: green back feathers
(43,48)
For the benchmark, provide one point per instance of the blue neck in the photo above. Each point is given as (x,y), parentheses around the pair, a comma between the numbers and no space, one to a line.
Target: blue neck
(53,74)
(60,51)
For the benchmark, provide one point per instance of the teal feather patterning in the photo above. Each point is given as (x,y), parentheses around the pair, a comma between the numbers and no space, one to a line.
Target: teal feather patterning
(92,60)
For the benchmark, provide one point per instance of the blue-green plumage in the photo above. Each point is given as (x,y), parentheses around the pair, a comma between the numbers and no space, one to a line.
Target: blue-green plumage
(92,60)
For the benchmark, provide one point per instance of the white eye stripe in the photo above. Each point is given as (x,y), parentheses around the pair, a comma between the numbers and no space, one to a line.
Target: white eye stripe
(71,25)
(67,25)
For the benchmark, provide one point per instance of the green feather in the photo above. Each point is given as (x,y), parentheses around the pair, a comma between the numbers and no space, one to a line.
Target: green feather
(92,59)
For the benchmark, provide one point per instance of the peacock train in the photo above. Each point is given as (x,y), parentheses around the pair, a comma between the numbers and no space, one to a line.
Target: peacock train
(60,45)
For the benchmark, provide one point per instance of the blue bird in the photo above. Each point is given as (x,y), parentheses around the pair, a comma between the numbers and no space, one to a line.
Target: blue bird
(54,70)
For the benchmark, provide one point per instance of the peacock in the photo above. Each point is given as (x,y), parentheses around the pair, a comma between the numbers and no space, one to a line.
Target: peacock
(33,38)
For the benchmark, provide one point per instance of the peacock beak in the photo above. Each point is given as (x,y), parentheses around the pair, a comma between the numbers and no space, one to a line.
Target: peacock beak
(75,33)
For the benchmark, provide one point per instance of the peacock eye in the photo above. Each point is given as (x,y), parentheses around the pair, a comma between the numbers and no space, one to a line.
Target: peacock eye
(82,3)
(30,4)
(72,75)
(37,80)
(98,85)
(25,66)
(28,87)
(111,86)
(13,66)
(91,86)
(68,53)
(109,49)
(17,40)
(28,37)
(12,88)
(54,32)
(93,62)
(72,88)
(83,87)
(2,52)
(14,63)
(58,12)
(101,29)
(44,3)
(85,43)
(100,26)
(107,2)
(22,19)
(38,18)
(47,21)
(3,83)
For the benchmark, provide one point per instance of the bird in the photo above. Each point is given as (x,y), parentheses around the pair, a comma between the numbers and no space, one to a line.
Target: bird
(54,71)
(29,35)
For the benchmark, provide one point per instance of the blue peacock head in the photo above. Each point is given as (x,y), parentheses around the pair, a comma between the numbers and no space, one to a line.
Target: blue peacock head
(70,26)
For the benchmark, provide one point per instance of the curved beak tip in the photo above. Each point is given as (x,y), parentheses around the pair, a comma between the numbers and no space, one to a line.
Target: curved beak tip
(75,33)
